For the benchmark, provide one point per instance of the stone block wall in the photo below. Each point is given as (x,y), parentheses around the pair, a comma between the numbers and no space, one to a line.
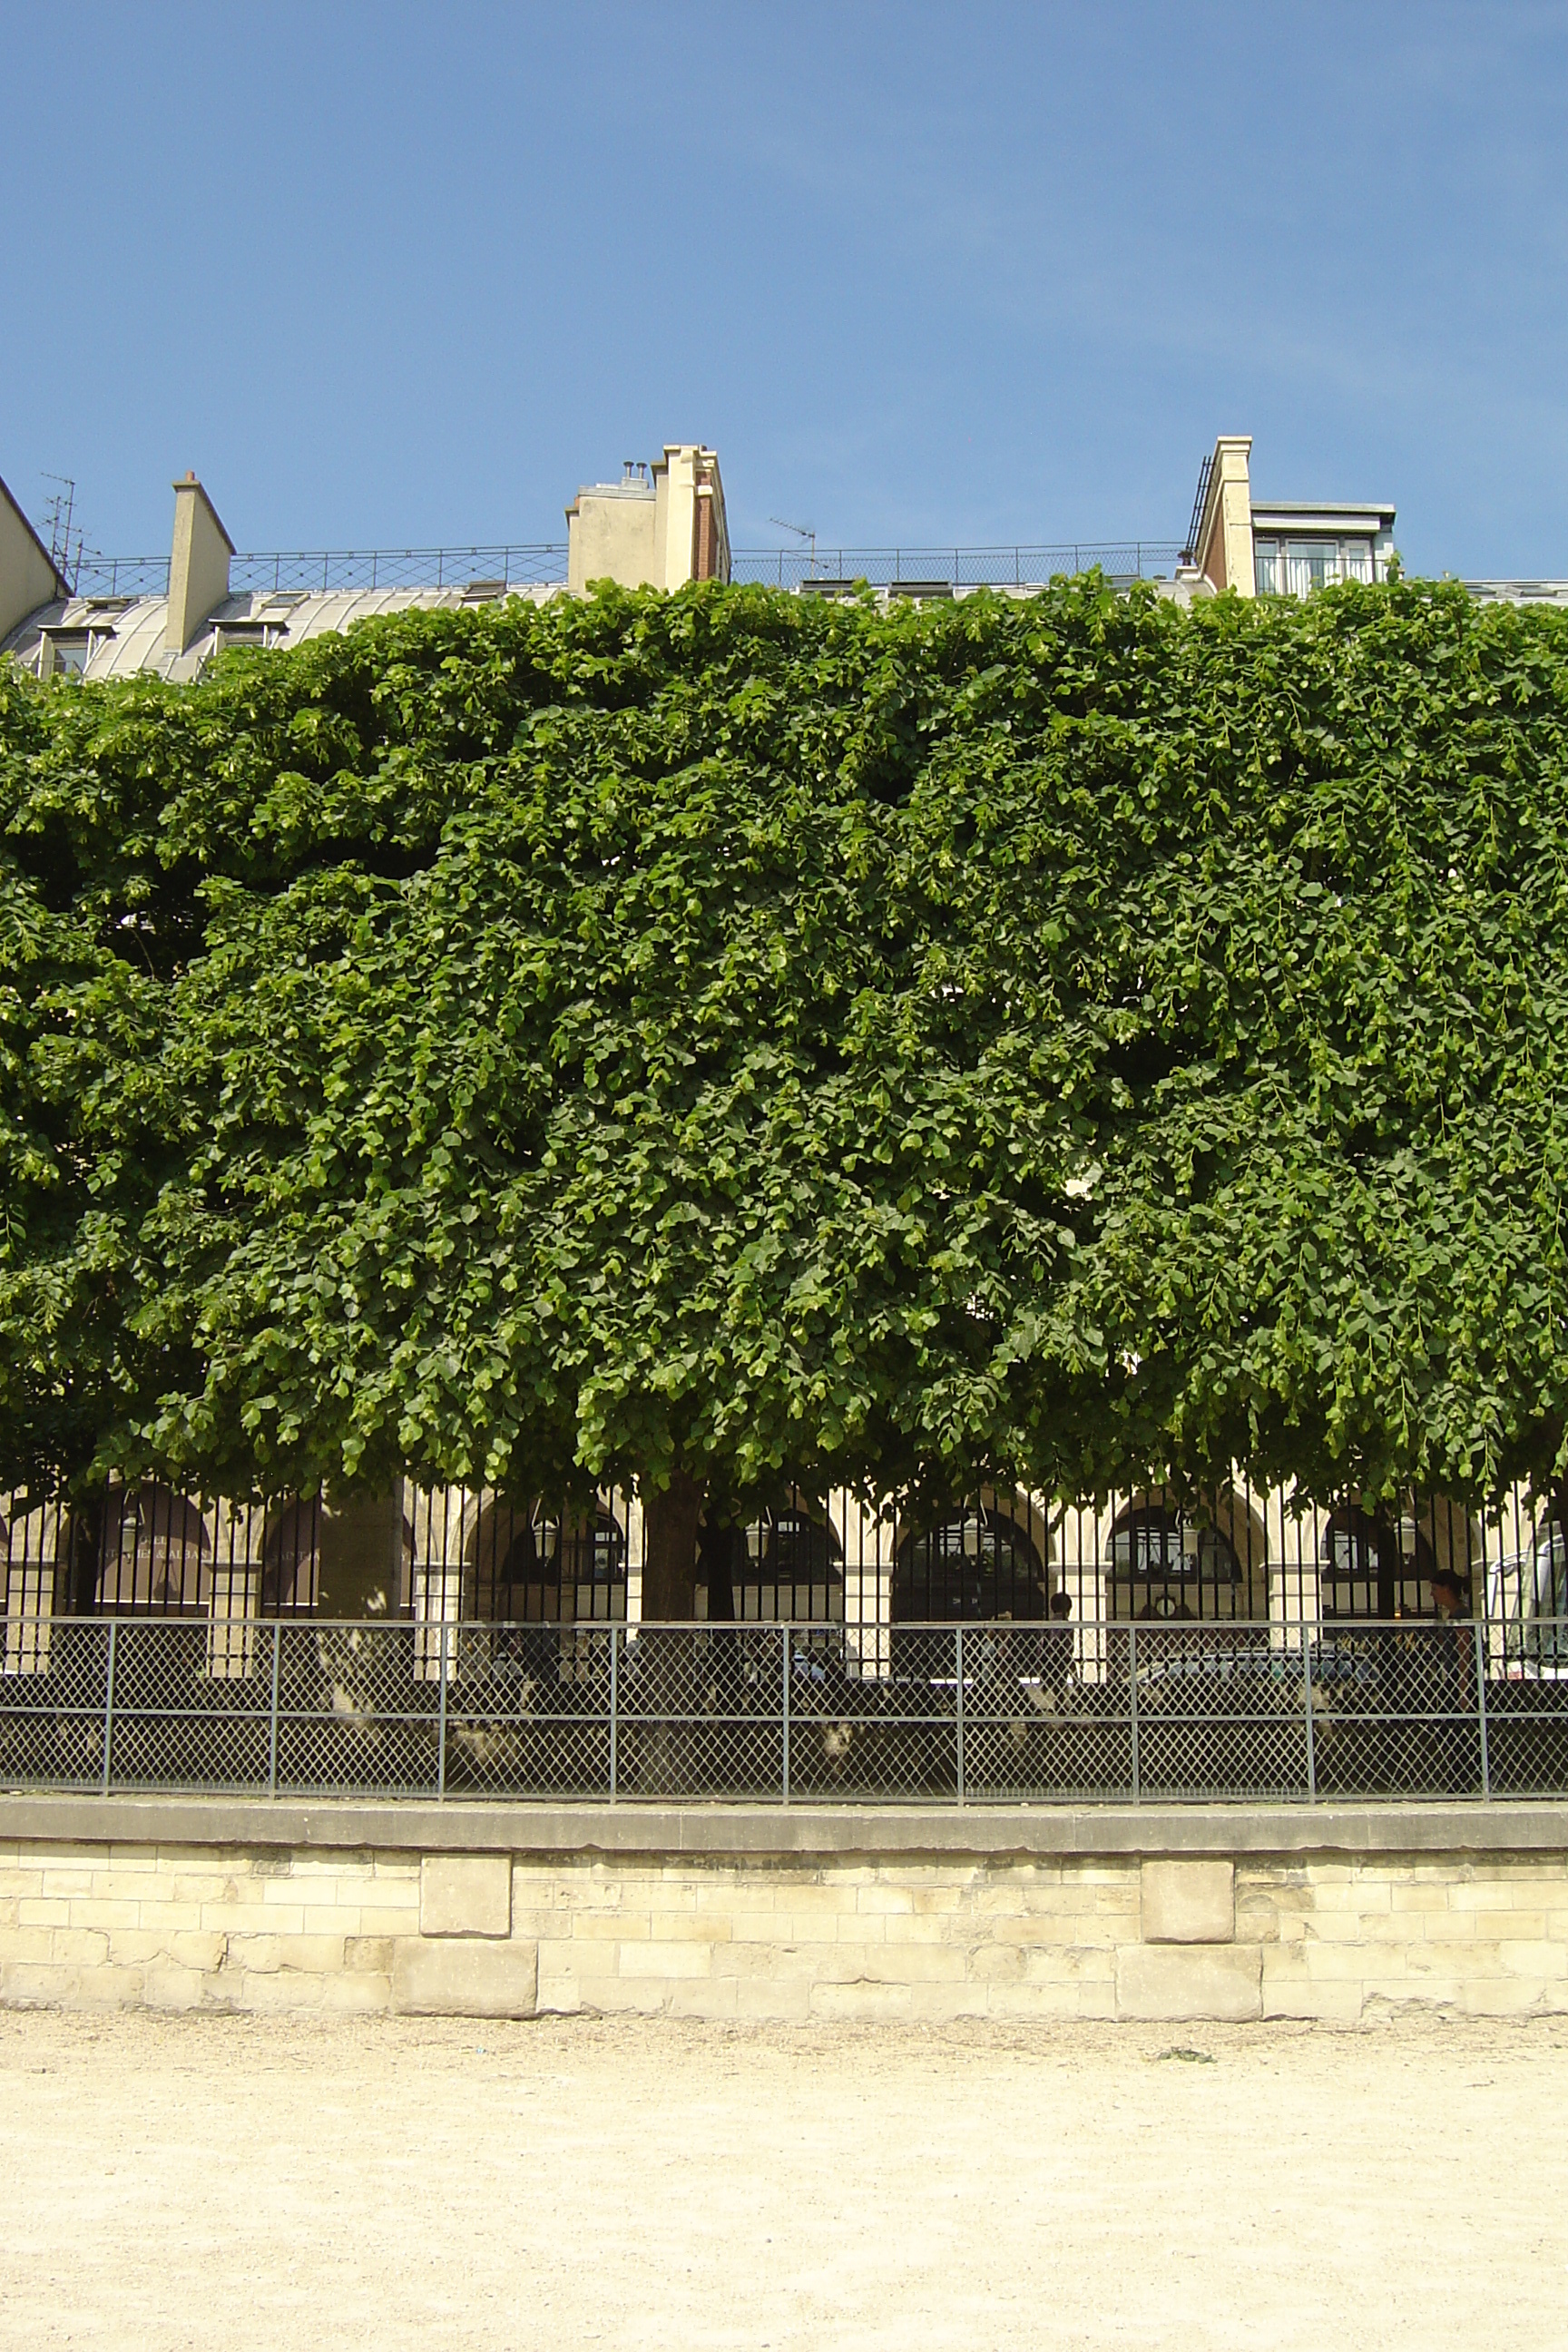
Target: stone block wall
(183,1927)
(893,1935)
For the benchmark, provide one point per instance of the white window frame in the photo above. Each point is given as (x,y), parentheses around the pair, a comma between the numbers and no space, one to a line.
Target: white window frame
(1275,552)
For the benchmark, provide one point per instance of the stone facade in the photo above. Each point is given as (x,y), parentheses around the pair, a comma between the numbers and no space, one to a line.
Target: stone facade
(786,1935)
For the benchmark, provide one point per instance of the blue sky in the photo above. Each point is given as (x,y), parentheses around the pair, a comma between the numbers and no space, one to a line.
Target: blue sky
(968,273)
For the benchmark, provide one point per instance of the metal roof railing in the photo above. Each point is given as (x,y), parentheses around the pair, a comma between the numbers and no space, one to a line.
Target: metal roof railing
(540,565)
(120,575)
(929,568)
(334,571)
(932,570)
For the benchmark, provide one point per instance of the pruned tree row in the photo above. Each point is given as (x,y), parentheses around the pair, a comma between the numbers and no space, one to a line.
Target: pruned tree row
(687,1042)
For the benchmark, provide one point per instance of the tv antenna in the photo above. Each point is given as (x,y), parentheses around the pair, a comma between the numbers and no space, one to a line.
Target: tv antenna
(65,543)
(802,530)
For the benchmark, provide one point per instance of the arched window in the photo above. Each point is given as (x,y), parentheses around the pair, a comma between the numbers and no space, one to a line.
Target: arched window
(786,1566)
(291,1558)
(156,1553)
(1163,1565)
(1376,1565)
(590,1564)
(979,1564)
(538,1570)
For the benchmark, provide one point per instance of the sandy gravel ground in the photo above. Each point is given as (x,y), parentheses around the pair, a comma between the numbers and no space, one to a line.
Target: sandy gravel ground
(278,2184)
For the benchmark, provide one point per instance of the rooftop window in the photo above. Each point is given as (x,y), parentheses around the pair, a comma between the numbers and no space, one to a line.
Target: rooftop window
(1294,567)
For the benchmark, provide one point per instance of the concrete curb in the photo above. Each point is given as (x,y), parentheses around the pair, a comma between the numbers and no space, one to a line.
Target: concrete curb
(827,1831)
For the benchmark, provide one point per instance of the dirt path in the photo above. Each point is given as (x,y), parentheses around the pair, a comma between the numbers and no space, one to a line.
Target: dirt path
(208,2182)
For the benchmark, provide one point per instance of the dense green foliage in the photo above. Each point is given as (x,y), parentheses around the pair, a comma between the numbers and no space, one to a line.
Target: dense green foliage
(735,1033)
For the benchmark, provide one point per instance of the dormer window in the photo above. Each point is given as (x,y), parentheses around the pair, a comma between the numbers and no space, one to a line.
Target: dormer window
(67,649)
(69,652)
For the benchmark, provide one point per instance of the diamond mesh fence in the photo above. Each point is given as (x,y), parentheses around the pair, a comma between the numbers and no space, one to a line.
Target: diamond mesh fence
(529,1710)
(54,1712)
(781,1713)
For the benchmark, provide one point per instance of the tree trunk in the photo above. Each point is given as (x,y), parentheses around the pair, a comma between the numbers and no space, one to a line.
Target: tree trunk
(670,1690)
(715,1554)
(1390,1565)
(671,1517)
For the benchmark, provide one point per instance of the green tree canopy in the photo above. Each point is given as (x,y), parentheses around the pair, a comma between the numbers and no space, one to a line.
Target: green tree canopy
(702,1040)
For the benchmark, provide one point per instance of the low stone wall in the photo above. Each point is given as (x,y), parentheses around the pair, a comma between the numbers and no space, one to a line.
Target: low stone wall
(1218,1913)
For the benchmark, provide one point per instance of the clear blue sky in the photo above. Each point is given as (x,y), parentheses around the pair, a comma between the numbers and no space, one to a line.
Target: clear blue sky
(974,272)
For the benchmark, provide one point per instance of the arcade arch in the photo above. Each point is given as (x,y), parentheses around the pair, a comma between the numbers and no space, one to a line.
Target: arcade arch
(1166,1562)
(156,1553)
(524,1567)
(786,1565)
(986,1560)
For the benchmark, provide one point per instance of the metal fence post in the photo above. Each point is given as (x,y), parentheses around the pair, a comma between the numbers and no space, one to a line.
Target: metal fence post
(1307,1699)
(784,1631)
(614,1706)
(1480,1633)
(1133,1704)
(272,1726)
(441,1732)
(109,1705)
(958,1721)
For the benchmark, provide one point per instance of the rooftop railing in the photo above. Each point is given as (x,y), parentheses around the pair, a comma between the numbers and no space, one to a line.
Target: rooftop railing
(338,571)
(917,569)
(121,575)
(914,571)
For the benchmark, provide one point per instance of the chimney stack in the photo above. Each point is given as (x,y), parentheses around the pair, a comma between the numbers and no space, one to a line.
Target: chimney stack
(1223,551)
(198,568)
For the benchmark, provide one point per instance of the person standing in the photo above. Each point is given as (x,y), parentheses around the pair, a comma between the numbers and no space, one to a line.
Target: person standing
(1058,1659)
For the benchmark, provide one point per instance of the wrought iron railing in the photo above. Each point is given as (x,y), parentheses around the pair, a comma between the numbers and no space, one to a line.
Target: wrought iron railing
(1150,1555)
(1200,501)
(120,575)
(777,1714)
